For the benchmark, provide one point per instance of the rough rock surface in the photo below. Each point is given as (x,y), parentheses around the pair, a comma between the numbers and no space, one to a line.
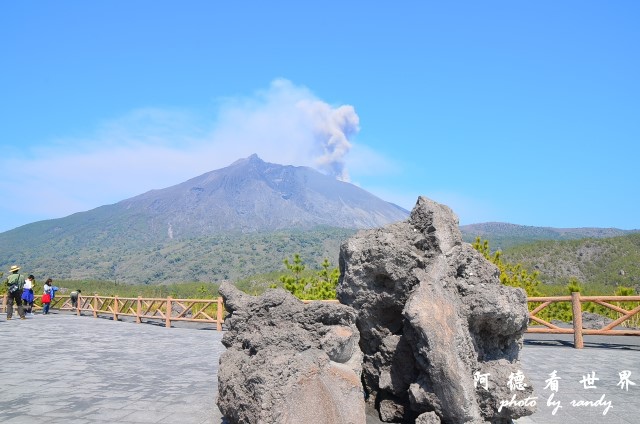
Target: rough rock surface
(593,321)
(433,314)
(287,362)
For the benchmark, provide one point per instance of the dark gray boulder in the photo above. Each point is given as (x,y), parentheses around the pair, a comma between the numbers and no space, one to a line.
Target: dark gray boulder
(593,321)
(287,362)
(432,313)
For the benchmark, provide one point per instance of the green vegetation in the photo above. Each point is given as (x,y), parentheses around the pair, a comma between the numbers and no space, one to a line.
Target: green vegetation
(503,236)
(194,290)
(604,263)
(310,284)
(561,311)
(592,266)
(516,275)
(513,275)
(321,285)
(132,258)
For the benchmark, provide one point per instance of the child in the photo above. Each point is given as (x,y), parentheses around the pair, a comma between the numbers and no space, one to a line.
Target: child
(27,294)
(47,296)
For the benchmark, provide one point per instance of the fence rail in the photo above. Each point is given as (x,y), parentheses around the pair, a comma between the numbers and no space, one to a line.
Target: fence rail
(162,309)
(212,311)
(624,315)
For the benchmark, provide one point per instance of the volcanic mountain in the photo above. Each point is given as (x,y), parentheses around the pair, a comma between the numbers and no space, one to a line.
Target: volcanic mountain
(252,195)
(165,235)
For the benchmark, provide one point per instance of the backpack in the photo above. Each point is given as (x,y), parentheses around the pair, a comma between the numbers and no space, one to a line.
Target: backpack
(13,283)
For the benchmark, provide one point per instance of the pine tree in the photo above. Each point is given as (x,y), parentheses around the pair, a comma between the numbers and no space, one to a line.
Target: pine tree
(513,275)
(320,286)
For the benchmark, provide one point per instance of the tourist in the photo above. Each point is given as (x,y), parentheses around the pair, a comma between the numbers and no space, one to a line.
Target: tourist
(27,295)
(14,283)
(46,296)
(74,298)
(54,289)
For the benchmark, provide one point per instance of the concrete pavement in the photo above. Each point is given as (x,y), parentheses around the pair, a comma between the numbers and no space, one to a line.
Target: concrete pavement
(606,356)
(66,369)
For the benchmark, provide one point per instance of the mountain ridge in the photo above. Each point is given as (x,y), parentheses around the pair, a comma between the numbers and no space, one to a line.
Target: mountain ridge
(502,235)
(229,223)
(242,201)
(252,195)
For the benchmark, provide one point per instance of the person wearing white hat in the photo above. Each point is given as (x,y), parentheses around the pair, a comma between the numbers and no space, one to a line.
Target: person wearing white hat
(15,283)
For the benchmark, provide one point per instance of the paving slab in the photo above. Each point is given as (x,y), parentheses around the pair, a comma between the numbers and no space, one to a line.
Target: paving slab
(603,357)
(61,368)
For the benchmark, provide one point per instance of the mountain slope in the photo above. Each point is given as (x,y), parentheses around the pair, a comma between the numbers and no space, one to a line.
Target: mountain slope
(192,231)
(252,195)
(606,261)
(503,235)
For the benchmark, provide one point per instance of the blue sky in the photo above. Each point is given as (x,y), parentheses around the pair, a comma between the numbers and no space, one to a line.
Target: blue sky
(510,111)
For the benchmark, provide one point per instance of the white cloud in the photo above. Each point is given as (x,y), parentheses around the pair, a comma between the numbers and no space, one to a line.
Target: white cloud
(156,148)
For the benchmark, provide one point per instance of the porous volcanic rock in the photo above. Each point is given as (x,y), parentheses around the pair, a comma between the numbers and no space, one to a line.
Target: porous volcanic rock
(592,321)
(287,362)
(433,319)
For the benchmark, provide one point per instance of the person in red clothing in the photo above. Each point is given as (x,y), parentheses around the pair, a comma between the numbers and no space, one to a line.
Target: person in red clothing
(47,295)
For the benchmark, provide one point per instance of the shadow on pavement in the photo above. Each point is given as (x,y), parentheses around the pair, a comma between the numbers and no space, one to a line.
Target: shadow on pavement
(626,343)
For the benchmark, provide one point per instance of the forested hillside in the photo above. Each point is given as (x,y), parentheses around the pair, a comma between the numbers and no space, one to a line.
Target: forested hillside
(202,259)
(608,261)
(502,235)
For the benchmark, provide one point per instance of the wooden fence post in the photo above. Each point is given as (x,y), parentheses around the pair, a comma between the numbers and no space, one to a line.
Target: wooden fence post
(139,310)
(78,305)
(219,315)
(4,303)
(167,321)
(115,308)
(95,305)
(578,342)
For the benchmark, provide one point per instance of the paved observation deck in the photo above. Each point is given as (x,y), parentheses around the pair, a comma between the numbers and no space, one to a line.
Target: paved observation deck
(62,368)
(66,369)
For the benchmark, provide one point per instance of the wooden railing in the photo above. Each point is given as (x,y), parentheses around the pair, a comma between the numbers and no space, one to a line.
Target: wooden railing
(576,300)
(212,311)
(165,310)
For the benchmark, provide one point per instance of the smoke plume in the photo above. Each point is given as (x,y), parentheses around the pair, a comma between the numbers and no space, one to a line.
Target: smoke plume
(332,128)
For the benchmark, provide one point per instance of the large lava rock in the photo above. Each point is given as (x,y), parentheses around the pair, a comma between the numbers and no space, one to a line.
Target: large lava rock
(433,314)
(287,362)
